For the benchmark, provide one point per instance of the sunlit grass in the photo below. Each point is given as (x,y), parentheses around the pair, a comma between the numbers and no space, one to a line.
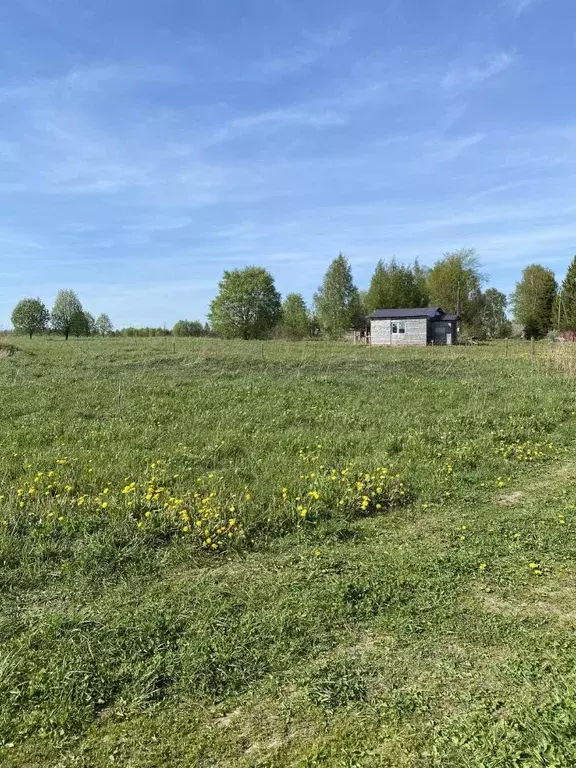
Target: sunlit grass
(221,553)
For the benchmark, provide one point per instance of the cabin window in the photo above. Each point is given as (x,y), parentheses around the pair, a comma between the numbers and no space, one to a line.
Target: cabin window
(399,327)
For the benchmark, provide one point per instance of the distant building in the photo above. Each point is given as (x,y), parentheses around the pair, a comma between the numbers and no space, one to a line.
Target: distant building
(417,326)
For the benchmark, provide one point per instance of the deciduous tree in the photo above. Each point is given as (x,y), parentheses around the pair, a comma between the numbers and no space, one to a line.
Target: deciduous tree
(454,283)
(65,312)
(103,325)
(337,302)
(295,319)
(494,321)
(30,316)
(82,324)
(533,300)
(248,305)
(90,324)
(188,328)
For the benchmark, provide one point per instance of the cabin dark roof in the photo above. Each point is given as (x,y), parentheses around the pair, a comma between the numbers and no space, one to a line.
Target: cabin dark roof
(434,313)
(404,313)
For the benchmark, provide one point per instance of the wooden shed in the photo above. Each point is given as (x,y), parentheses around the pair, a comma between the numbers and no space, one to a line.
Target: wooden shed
(416,326)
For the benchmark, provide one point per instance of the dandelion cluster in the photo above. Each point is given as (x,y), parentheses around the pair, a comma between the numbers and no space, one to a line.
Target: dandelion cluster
(346,491)
(528,451)
(204,512)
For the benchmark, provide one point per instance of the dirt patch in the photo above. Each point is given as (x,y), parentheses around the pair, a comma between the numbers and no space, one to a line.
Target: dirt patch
(271,745)
(509,499)
(227,720)
(7,350)
(537,608)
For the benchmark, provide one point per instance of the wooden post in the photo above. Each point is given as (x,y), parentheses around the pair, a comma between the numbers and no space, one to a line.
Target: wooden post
(262,350)
(506,346)
(533,349)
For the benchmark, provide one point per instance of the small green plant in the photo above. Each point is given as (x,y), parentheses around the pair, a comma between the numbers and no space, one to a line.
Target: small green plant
(336,684)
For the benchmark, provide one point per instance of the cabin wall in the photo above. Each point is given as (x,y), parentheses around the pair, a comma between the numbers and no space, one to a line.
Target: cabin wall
(416,332)
(380,332)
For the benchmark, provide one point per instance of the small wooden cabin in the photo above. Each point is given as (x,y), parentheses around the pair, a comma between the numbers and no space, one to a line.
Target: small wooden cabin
(417,326)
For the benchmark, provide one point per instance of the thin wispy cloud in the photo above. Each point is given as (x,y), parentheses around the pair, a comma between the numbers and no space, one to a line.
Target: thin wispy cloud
(159,224)
(289,117)
(328,111)
(87,79)
(312,48)
(520,6)
(464,77)
(134,157)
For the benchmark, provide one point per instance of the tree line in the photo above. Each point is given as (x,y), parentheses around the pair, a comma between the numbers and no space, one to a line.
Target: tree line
(248,305)
(67,317)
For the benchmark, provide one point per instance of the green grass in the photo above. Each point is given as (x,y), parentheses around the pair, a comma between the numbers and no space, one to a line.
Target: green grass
(429,624)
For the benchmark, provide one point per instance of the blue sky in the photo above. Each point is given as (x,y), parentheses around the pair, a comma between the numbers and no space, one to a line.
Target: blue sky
(146,146)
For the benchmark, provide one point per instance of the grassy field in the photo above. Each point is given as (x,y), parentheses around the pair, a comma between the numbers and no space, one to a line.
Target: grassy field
(243,554)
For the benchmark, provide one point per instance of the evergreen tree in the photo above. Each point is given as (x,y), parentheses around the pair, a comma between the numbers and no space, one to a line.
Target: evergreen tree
(420,297)
(295,320)
(337,302)
(30,316)
(565,307)
(248,305)
(396,286)
(533,300)
(378,294)
(401,286)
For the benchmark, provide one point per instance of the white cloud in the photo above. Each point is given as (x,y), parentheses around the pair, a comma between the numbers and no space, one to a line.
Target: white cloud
(519,6)
(89,79)
(162,224)
(466,77)
(322,112)
(290,117)
(316,45)
(446,150)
